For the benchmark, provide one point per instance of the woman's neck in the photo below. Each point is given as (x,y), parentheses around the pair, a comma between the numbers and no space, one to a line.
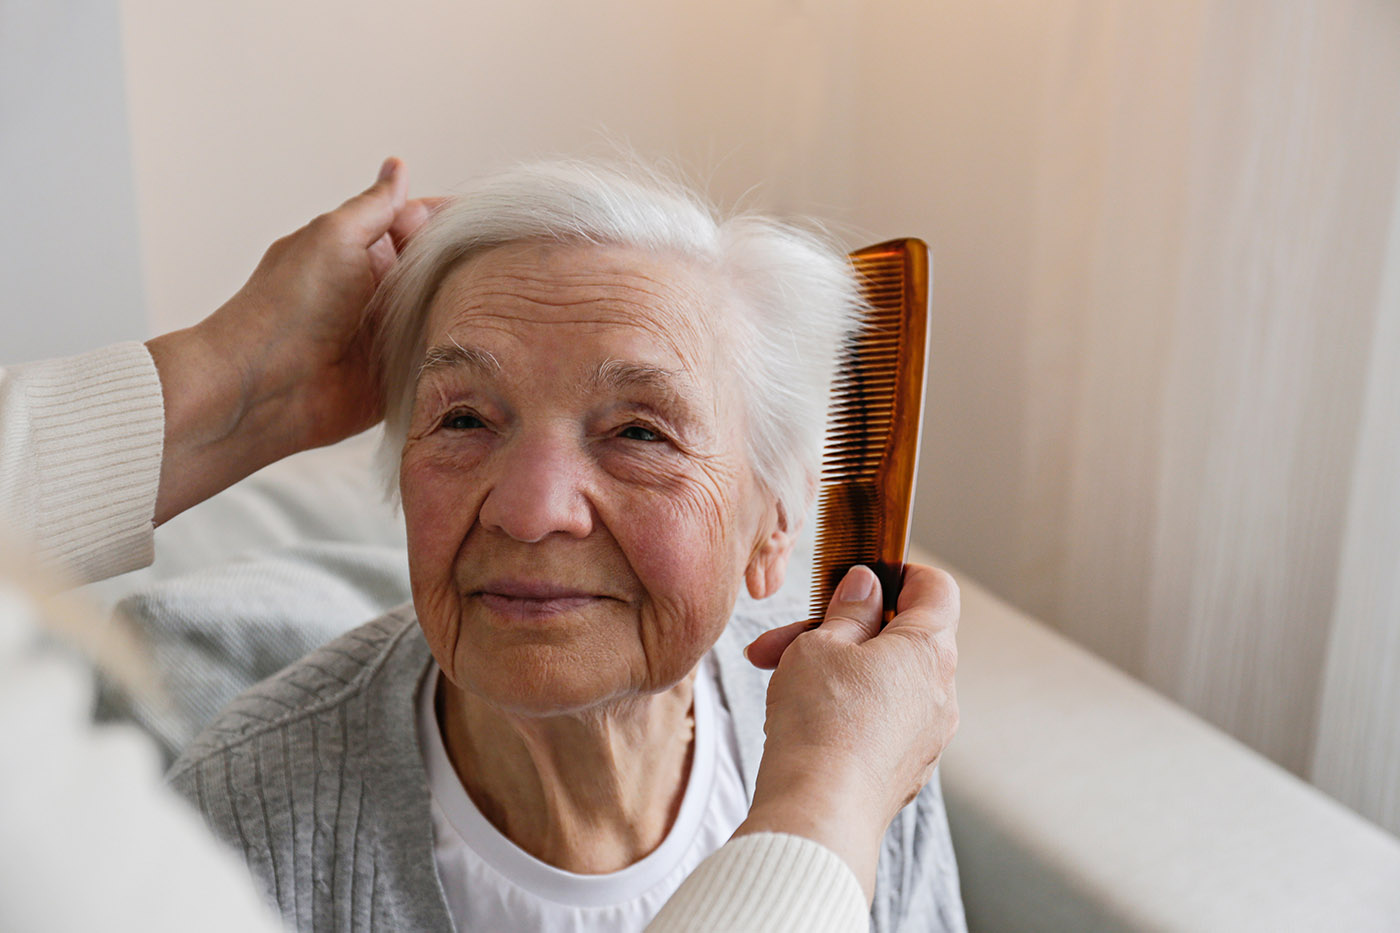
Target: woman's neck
(589,793)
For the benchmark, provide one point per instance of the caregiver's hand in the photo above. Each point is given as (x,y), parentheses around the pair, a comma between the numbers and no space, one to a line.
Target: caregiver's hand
(857,716)
(285,364)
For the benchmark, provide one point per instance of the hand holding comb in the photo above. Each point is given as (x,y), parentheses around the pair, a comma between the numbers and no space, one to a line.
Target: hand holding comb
(873,427)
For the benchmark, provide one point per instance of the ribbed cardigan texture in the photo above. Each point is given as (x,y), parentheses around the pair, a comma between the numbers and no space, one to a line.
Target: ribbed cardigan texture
(316,776)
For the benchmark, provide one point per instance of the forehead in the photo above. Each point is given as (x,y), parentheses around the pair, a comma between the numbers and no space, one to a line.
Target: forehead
(587,295)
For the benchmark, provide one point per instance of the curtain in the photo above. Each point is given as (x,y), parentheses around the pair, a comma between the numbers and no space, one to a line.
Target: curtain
(1204,363)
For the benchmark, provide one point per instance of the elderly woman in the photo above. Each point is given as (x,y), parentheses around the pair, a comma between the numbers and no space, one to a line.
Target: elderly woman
(604,413)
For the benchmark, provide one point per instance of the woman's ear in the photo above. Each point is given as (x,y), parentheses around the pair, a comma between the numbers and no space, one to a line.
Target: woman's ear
(768,563)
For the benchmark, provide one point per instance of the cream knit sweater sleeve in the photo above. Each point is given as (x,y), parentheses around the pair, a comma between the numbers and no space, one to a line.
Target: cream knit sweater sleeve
(80,449)
(767,883)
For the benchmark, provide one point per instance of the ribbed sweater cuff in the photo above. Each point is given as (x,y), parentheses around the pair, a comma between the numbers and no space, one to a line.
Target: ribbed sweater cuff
(768,883)
(97,424)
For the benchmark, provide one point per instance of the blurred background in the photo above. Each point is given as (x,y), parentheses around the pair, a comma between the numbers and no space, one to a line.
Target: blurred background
(1164,410)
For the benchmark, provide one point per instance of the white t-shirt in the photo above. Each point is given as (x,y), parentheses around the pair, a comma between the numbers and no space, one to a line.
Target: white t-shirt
(492,884)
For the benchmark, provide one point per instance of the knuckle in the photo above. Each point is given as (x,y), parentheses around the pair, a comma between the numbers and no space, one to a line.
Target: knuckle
(946,650)
(943,581)
(281,248)
(950,715)
(947,597)
(844,616)
(933,645)
(809,643)
(822,647)
(330,225)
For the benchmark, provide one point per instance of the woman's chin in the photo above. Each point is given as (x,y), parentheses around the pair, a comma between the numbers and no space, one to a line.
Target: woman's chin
(539,685)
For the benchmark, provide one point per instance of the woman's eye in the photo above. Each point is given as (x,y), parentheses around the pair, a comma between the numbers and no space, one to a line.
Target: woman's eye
(462,421)
(635,432)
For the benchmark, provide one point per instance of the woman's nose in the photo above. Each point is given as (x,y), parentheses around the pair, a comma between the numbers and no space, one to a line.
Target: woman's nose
(537,490)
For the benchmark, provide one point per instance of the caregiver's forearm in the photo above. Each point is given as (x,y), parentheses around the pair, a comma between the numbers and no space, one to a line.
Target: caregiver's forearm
(219,426)
(211,432)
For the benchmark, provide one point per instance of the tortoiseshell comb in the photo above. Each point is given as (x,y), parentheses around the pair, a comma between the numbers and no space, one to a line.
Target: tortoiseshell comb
(873,428)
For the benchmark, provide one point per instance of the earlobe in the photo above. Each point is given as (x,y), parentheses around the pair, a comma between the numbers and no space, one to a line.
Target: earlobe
(768,563)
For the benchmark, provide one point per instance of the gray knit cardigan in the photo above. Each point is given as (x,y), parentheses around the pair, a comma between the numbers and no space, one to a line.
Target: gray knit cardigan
(315,775)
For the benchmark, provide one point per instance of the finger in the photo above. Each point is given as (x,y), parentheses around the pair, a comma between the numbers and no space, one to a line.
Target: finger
(381,257)
(369,214)
(414,214)
(407,222)
(856,608)
(766,650)
(928,598)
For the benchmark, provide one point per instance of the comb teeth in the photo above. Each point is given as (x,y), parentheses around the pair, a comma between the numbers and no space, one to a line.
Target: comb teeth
(847,513)
(864,397)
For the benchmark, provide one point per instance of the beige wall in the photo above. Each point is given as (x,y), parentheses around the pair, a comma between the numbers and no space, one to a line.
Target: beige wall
(249,117)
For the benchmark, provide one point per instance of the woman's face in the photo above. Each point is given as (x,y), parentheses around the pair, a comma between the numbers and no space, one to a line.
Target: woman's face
(579,503)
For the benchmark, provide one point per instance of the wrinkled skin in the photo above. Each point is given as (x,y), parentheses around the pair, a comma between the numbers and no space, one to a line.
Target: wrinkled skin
(590,439)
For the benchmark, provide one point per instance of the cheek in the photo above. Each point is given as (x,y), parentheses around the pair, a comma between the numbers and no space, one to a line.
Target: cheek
(688,559)
(439,510)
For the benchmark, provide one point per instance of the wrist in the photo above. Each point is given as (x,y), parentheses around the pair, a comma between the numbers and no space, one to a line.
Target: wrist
(826,807)
(212,438)
(203,396)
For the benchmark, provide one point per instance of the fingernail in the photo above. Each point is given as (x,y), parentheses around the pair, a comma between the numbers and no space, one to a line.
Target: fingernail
(387,170)
(857,585)
(746,653)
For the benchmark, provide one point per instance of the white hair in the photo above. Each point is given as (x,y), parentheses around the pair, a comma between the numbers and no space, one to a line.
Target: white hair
(795,295)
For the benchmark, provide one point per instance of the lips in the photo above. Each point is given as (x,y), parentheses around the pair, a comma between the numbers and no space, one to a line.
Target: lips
(529,589)
(532,599)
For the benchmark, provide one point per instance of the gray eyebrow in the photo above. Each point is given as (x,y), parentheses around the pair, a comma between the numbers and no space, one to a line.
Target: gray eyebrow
(619,374)
(453,355)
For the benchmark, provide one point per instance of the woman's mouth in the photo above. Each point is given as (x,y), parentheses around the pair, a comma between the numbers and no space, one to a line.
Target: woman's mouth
(533,599)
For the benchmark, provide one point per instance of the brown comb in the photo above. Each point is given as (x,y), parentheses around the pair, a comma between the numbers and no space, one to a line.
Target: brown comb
(873,428)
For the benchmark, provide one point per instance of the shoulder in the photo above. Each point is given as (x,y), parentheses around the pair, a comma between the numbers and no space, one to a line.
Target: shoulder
(315,773)
(315,686)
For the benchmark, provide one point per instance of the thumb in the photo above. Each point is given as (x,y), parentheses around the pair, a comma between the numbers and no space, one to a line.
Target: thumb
(856,609)
(854,615)
(369,214)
